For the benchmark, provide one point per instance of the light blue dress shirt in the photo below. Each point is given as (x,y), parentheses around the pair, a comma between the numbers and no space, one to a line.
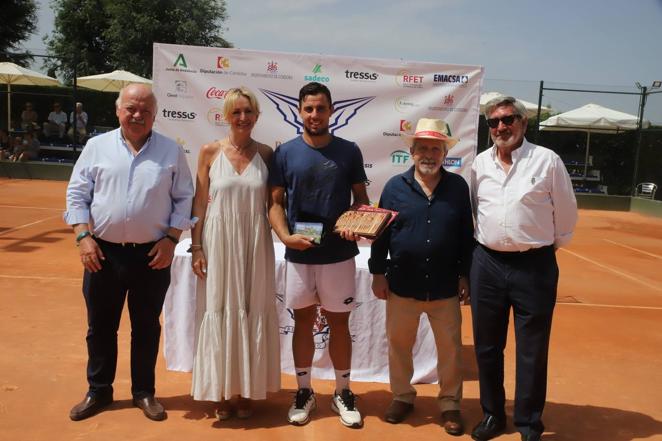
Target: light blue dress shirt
(127,198)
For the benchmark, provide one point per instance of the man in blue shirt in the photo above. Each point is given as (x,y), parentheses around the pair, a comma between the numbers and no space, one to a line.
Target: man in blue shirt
(429,243)
(318,174)
(128,200)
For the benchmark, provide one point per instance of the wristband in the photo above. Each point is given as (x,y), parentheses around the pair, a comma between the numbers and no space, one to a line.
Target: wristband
(172,239)
(82,236)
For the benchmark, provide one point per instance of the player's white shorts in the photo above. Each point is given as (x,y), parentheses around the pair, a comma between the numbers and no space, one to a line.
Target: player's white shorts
(330,285)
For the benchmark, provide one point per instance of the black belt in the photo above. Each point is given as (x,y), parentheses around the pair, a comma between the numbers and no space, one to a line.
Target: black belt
(529,252)
(124,244)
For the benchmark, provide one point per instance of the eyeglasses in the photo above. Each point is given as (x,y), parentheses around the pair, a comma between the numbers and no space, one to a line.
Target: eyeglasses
(507,120)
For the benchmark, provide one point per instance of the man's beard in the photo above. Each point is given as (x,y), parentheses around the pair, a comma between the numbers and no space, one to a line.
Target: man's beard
(428,169)
(321,131)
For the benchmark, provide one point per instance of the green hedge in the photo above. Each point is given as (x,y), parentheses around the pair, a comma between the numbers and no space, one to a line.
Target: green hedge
(100,106)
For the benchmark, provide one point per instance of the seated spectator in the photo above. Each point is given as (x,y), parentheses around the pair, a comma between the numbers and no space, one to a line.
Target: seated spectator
(6,144)
(28,149)
(80,123)
(29,117)
(57,122)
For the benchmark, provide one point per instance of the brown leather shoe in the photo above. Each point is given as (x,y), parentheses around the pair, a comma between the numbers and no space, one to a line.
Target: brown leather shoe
(224,410)
(397,411)
(452,422)
(151,408)
(244,408)
(91,405)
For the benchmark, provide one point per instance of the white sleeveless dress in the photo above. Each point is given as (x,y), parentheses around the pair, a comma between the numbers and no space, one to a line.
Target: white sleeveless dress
(238,349)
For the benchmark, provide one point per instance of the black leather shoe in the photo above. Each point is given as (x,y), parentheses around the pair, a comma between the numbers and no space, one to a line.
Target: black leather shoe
(151,408)
(531,436)
(91,405)
(488,428)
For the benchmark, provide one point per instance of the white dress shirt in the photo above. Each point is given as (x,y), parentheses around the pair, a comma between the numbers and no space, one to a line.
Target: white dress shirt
(59,118)
(82,119)
(129,198)
(530,206)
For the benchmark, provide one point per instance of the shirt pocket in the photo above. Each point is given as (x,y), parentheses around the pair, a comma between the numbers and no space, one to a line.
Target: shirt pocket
(536,189)
(153,177)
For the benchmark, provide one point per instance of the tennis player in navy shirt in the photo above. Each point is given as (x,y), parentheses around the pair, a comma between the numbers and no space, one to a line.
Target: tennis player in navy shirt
(319,175)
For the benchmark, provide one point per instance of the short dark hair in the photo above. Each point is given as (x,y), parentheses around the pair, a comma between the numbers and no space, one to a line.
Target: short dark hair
(314,89)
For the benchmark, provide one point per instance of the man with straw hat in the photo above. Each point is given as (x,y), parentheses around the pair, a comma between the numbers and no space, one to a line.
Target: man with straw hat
(430,244)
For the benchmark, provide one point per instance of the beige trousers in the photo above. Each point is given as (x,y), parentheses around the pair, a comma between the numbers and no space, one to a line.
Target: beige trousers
(402,318)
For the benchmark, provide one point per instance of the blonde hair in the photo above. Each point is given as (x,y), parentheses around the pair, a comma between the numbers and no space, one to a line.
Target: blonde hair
(233,95)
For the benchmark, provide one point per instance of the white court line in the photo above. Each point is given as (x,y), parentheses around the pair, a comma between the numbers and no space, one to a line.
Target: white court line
(68,279)
(627,276)
(28,225)
(599,305)
(30,208)
(633,249)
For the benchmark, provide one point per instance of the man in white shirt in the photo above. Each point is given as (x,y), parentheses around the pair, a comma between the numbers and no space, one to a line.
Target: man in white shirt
(525,209)
(56,123)
(78,119)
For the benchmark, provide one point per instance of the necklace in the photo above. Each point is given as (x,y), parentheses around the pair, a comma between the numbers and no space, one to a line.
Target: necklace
(240,148)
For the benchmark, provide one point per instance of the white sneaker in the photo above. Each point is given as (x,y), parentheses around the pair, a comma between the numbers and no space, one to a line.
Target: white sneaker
(304,404)
(343,405)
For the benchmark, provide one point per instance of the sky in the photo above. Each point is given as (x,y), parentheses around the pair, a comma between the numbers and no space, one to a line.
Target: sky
(569,44)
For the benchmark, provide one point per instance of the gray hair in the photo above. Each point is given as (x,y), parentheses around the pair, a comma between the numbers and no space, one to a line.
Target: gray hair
(504,101)
(118,101)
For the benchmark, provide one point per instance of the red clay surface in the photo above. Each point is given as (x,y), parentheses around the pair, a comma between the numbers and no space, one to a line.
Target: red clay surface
(605,373)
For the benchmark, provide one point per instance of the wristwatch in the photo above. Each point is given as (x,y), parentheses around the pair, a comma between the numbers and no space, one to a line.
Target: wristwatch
(172,239)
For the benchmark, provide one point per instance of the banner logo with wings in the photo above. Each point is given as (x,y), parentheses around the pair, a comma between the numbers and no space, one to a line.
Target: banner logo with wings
(343,110)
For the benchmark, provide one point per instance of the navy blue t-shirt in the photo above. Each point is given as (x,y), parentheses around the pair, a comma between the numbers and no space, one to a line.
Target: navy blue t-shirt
(318,187)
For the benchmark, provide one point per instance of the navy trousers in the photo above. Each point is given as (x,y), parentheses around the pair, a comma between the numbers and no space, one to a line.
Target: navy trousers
(525,282)
(125,274)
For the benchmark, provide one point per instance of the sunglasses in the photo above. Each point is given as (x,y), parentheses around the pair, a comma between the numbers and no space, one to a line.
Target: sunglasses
(507,120)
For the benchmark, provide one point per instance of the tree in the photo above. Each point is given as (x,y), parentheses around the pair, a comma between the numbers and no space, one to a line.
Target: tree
(193,22)
(77,39)
(104,35)
(17,22)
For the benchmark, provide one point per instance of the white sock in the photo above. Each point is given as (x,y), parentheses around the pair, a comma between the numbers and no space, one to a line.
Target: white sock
(303,377)
(342,380)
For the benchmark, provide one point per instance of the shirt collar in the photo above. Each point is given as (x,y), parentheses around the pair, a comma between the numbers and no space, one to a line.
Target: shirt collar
(144,147)
(517,154)
(410,179)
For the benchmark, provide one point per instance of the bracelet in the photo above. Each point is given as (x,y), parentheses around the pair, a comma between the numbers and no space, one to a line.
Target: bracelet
(82,236)
(193,248)
(172,239)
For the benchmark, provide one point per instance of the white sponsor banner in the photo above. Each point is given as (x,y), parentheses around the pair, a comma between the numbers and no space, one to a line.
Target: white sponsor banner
(375,100)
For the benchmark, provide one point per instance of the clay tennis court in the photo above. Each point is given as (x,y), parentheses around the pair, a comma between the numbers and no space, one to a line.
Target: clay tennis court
(605,370)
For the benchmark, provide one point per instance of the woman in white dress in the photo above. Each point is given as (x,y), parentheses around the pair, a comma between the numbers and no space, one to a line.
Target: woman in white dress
(238,352)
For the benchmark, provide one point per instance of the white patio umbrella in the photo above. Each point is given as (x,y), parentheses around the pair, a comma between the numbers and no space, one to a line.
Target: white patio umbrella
(592,118)
(111,82)
(531,108)
(11,73)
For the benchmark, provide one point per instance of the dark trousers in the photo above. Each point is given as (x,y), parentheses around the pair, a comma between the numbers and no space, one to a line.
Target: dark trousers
(525,282)
(125,272)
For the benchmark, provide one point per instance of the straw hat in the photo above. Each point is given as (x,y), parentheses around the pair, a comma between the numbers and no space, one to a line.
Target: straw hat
(428,128)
